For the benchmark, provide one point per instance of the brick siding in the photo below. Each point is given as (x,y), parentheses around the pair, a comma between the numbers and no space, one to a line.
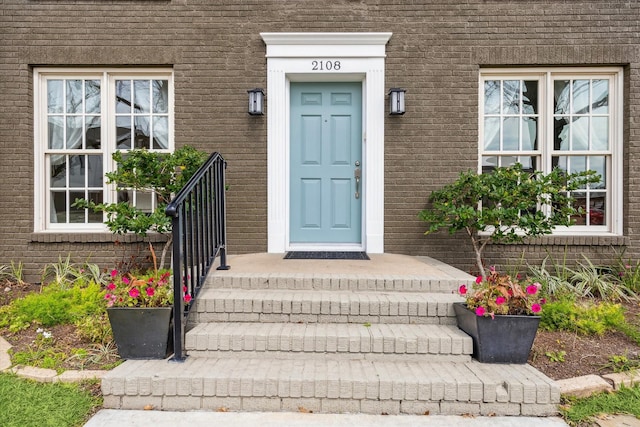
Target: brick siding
(215,49)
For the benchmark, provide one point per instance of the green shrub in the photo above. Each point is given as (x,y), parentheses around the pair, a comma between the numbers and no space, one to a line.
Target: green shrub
(582,317)
(53,306)
(95,328)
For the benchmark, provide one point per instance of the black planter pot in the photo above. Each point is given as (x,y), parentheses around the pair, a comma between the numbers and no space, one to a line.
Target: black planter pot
(141,333)
(504,339)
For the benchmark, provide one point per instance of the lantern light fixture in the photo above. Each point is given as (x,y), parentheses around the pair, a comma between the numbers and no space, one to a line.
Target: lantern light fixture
(256,98)
(396,101)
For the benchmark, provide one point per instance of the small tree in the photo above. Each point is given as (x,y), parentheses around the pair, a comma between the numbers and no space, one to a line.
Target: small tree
(161,174)
(506,205)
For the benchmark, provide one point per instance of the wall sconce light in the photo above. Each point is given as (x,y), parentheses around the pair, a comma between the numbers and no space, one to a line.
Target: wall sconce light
(256,96)
(396,101)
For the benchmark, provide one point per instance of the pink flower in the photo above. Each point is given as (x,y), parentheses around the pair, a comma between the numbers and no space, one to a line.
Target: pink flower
(543,301)
(462,290)
(532,289)
(126,280)
(536,308)
(150,291)
(500,300)
(134,293)
(480,311)
(184,289)
(114,273)
(107,296)
(479,280)
(187,298)
(111,286)
(492,268)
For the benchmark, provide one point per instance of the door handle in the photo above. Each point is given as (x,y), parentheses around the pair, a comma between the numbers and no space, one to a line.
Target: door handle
(357,174)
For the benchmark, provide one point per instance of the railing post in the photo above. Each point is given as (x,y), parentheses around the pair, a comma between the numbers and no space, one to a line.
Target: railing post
(222,197)
(178,302)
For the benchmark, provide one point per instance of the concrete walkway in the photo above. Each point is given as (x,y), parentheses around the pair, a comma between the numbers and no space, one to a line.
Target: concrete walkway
(122,418)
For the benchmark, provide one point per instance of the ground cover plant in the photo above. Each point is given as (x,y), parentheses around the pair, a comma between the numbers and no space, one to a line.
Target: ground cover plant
(580,412)
(59,325)
(25,403)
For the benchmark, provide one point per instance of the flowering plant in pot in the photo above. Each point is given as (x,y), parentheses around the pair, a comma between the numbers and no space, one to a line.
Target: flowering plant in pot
(502,316)
(498,294)
(140,308)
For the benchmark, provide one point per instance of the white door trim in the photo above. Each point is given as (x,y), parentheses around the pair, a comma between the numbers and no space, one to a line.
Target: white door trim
(325,57)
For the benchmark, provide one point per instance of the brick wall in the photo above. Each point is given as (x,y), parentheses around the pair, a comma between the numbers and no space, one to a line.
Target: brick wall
(217,54)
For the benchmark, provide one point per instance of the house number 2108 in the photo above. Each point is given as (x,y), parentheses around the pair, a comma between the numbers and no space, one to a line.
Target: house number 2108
(325,65)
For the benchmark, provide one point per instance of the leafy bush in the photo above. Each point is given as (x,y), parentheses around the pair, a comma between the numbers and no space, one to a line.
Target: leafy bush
(503,206)
(591,280)
(95,328)
(53,306)
(582,317)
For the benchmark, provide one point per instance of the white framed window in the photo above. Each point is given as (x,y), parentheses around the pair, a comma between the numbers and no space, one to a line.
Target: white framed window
(81,117)
(569,118)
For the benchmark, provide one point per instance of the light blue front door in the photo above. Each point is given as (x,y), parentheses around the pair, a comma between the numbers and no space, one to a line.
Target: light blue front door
(326,157)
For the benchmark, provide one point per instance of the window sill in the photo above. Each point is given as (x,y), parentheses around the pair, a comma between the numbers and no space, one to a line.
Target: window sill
(575,240)
(93,237)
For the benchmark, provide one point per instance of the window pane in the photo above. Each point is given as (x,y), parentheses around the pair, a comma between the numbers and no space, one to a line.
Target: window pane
(160,133)
(580,202)
(123,132)
(93,132)
(56,132)
(141,96)
(511,97)
(160,96)
(529,133)
(600,133)
(144,201)
(94,217)
(58,171)
(578,164)
(559,162)
(528,163)
(123,96)
(58,212)
(511,133)
(74,96)
(55,96)
(506,161)
(598,208)
(489,163)
(600,96)
(492,97)
(599,165)
(530,97)
(581,97)
(561,133)
(491,133)
(95,173)
(561,91)
(76,171)
(76,216)
(142,132)
(92,97)
(580,134)
(74,132)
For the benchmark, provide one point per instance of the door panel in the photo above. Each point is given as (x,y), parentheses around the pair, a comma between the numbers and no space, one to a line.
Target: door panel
(326,143)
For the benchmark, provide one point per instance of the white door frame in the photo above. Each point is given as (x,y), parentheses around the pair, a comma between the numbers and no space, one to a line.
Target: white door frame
(325,57)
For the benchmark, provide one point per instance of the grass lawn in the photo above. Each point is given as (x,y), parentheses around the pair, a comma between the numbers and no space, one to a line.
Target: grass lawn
(25,403)
(624,401)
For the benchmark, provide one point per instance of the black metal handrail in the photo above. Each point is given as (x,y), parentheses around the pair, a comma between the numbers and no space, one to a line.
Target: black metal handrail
(199,235)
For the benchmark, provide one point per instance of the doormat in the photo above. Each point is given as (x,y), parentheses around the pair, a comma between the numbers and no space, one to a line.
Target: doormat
(326,255)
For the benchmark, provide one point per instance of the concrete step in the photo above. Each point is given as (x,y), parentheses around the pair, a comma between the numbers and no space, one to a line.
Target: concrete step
(335,282)
(293,340)
(331,386)
(293,306)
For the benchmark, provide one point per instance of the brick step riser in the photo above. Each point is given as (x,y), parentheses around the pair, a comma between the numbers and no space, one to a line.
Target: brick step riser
(320,318)
(342,356)
(329,339)
(332,386)
(338,307)
(334,283)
